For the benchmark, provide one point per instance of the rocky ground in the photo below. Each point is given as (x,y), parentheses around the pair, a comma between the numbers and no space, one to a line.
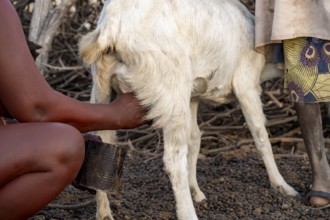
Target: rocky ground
(235,183)
(230,173)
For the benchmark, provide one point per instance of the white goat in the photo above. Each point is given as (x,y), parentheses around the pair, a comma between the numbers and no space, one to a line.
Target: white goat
(174,54)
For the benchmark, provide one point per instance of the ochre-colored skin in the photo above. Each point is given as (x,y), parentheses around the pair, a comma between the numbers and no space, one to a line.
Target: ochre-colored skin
(41,155)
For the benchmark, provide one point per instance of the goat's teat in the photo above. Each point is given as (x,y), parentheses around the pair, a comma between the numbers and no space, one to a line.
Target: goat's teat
(199,86)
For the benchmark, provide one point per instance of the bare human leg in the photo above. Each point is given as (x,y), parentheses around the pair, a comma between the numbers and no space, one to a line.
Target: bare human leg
(37,161)
(310,121)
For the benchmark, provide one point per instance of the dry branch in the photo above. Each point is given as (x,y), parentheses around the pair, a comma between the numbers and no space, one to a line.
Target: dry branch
(223,127)
(44,24)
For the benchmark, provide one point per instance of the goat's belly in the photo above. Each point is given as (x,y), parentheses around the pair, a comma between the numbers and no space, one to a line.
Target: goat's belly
(212,95)
(216,98)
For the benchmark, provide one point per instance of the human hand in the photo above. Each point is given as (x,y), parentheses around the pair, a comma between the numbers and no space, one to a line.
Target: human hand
(128,111)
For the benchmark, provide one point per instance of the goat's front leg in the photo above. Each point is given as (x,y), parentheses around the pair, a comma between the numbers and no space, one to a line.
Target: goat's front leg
(175,160)
(194,148)
(252,109)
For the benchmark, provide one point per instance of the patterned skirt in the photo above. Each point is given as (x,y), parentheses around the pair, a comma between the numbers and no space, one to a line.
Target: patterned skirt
(307,65)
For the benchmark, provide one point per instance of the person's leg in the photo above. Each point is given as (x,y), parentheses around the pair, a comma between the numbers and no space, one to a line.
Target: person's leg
(310,121)
(37,161)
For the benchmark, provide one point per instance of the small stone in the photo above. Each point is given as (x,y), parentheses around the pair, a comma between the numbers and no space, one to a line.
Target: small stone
(257,211)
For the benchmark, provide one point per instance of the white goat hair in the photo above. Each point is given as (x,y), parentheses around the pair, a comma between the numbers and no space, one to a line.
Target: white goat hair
(174,54)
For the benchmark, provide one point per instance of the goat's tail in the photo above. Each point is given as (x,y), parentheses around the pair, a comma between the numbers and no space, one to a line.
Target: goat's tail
(90,48)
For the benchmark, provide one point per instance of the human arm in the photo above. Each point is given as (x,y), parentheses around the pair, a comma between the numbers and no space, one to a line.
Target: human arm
(27,96)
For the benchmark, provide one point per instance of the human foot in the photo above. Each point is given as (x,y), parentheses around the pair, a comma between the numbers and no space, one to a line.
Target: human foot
(318,199)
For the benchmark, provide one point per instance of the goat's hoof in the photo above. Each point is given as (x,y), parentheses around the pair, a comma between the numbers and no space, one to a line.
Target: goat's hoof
(288,190)
(293,193)
(203,204)
(199,197)
(107,217)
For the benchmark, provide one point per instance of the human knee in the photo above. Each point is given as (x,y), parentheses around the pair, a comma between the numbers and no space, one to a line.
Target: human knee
(69,150)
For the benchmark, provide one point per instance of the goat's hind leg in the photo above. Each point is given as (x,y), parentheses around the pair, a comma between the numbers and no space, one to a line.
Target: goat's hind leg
(103,206)
(175,161)
(101,93)
(251,105)
(193,151)
(176,137)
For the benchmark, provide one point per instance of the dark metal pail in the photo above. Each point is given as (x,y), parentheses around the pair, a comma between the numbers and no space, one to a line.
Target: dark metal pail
(102,166)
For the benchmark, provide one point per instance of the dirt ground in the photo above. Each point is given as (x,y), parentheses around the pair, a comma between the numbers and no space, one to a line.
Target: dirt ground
(232,176)
(235,183)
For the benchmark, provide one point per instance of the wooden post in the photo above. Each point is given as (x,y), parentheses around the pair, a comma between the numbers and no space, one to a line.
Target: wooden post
(45,22)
